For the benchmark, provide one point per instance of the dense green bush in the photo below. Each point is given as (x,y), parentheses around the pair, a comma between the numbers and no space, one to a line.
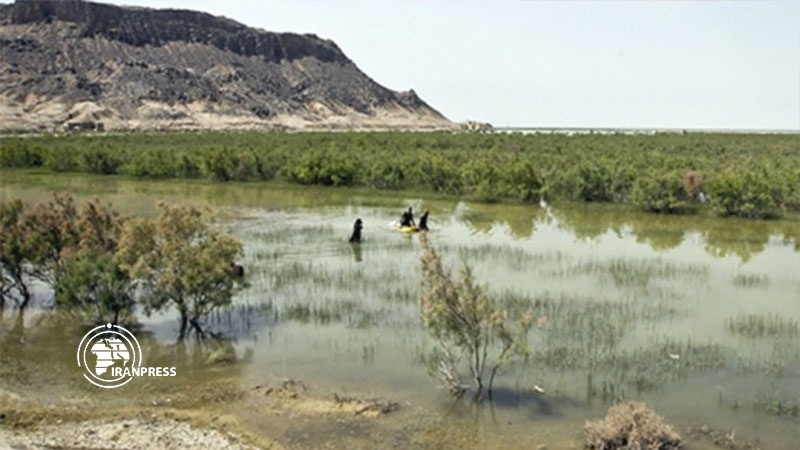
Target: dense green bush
(791,180)
(151,164)
(100,161)
(660,193)
(487,167)
(439,173)
(484,180)
(593,182)
(59,160)
(746,192)
(385,175)
(325,168)
(224,164)
(19,154)
(525,183)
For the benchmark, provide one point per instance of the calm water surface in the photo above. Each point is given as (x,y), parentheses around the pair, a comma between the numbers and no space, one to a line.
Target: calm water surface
(638,306)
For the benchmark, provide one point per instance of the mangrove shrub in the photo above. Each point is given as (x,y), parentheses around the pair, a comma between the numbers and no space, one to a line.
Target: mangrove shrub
(488,167)
(660,193)
(745,192)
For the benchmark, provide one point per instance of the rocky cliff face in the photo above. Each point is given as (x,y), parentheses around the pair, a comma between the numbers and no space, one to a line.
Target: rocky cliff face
(70,63)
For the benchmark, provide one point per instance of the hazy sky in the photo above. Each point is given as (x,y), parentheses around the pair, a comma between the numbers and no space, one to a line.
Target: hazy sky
(645,64)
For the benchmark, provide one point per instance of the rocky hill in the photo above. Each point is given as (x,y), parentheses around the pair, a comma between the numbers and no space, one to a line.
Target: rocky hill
(76,64)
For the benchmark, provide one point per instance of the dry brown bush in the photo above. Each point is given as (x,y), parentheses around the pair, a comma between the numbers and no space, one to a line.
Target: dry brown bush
(631,426)
(693,184)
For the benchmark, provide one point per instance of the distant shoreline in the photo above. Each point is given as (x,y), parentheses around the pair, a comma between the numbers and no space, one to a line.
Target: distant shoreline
(645,131)
(12,133)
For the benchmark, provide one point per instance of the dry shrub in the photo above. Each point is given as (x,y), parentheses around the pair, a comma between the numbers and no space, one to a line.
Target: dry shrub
(631,426)
(467,324)
(692,184)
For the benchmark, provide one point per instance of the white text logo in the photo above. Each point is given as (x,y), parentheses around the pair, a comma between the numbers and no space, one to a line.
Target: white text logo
(111,356)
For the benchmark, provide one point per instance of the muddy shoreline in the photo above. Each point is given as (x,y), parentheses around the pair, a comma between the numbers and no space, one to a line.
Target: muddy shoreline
(153,421)
(279,414)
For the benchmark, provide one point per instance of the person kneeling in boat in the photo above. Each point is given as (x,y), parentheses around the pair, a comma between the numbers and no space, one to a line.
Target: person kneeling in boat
(407,220)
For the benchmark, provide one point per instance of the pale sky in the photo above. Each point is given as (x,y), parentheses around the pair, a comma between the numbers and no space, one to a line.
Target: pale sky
(631,64)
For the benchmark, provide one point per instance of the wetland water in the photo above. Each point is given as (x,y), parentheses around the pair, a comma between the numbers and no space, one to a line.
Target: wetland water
(697,316)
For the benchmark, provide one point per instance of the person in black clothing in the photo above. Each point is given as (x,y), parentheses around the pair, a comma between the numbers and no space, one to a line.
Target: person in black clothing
(356,236)
(407,220)
(236,270)
(423,221)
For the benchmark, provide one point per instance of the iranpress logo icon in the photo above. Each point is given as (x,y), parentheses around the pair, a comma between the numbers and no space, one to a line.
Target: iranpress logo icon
(111,356)
(109,347)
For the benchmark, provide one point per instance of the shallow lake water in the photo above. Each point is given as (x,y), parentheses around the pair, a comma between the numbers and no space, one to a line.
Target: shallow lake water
(695,315)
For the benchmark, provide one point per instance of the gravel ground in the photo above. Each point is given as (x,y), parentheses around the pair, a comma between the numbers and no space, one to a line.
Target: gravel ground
(125,434)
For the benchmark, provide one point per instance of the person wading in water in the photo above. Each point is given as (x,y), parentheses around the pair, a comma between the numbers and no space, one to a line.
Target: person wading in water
(423,221)
(357,226)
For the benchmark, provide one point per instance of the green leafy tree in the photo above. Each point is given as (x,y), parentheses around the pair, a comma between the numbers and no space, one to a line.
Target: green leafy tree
(97,286)
(88,278)
(15,264)
(52,234)
(71,251)
(467,325)
(32,243)
(182,262)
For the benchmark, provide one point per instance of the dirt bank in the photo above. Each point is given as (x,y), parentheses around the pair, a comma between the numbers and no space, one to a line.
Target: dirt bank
(225,417)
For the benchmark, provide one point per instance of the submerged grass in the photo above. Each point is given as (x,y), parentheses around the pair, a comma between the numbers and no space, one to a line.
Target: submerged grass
(514,259)
(592,336)
(280,234)
(761,325)
(598,342)
(240,318)
(634,273)
(750,280)
(778,404)
(328,311)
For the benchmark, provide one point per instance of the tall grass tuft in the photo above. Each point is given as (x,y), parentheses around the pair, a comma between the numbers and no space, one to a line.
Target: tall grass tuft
(760,325)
